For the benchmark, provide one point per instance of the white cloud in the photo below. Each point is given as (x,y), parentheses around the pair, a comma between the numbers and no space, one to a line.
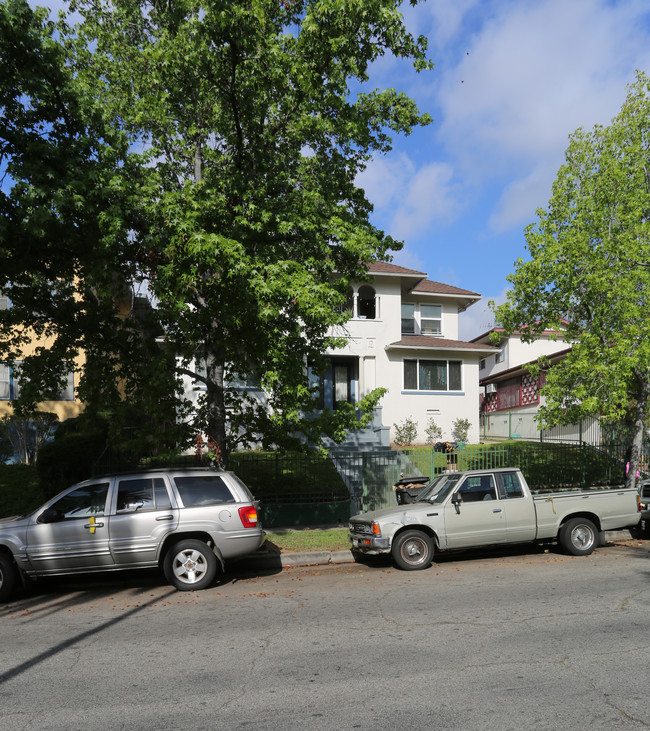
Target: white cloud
(532,74)
(410,199)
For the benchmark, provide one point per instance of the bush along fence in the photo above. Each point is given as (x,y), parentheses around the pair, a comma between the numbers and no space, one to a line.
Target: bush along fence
(311,489)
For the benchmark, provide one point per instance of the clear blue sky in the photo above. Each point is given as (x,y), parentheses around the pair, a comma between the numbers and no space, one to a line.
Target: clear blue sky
(512,80)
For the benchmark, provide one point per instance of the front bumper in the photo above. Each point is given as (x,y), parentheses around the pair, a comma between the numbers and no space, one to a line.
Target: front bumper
(369,543)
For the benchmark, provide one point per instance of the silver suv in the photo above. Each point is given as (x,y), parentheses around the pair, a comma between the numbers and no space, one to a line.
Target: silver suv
(186,521)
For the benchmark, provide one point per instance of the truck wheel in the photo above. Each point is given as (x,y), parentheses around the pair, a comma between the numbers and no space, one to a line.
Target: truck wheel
(578,537)
(190,565)
(412,550)
(8,576)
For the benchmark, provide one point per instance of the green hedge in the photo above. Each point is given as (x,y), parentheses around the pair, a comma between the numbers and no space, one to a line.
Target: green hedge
(20,490)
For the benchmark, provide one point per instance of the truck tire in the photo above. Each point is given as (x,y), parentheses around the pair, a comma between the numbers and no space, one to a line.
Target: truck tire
(8,576)
(190,565)
(412,550)
(578,537)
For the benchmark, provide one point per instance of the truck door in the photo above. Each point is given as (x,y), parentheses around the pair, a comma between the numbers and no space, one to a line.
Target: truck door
(71,534)
(521,524)
(479,519)
(143,515)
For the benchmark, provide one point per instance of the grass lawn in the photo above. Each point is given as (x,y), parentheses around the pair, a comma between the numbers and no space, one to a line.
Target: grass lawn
(309,539)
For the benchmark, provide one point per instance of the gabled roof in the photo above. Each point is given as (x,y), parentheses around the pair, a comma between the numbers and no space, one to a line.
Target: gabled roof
(523,368)
(427,286)
(385,267)
(429,343)
(486,335)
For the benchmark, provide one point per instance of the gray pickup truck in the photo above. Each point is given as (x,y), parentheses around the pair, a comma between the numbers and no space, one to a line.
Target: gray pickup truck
(489,507)
(187,522)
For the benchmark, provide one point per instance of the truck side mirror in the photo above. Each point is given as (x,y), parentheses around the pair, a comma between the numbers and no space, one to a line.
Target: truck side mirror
(456,500)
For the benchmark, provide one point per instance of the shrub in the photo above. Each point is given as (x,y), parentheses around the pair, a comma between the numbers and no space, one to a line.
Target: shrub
(433,432)
(461,430)
(406,432)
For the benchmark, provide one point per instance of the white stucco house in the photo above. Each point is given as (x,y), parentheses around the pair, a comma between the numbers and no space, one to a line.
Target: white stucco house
(403,336)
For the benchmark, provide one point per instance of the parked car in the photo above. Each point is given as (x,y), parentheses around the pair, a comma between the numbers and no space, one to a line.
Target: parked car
(189,522)
(486,507)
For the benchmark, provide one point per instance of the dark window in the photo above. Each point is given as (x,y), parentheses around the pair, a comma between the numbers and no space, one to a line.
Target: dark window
(366,307)
(411,375)
(408,319)
(433,375)
(201,490)
(511,485)
(476,489)
(455,381)
(82,502)
(146,493)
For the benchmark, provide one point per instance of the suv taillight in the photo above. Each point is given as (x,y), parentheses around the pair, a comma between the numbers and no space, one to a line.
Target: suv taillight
(248,516)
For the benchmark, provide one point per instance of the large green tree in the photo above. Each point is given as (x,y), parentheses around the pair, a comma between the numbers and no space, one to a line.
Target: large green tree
(249,122)
(64,210)
(589,273)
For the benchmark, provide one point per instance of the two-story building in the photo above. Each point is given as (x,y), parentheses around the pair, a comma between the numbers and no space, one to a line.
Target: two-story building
(403,336)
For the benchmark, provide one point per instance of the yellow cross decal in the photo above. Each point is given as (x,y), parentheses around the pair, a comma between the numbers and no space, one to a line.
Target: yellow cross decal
(91,520)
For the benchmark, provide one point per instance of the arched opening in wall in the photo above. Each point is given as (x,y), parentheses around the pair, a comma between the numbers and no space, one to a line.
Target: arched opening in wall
(366,306)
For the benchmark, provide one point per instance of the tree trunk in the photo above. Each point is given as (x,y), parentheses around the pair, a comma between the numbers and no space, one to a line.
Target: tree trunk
(639,431)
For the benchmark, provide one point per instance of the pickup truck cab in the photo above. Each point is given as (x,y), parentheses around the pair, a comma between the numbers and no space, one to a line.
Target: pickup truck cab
(189,522)
(474,508)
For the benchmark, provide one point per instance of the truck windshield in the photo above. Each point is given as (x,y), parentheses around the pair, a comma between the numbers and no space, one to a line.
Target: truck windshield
(437,491)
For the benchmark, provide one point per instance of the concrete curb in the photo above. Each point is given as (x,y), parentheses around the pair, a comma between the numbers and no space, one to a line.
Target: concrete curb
(266,560)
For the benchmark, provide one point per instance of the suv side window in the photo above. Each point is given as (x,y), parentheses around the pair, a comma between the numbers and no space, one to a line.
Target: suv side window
(199,490)
(82,502)
(143,493)
(511,487)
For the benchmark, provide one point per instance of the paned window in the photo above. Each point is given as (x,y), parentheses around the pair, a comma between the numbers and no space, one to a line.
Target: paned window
(408,319)
(433,375)
(430,319)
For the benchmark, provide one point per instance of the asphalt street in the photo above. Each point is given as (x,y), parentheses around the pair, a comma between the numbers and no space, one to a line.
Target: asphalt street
(508,639)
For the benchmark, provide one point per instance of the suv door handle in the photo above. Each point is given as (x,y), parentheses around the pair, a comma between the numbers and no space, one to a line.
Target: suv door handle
(496,510)
(94,525)
(165,517)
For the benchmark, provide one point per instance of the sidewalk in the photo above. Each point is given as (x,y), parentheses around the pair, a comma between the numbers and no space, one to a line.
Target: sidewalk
(265,559)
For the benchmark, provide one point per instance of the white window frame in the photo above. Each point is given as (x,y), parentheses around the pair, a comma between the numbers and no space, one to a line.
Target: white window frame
(418,388)
(428,319)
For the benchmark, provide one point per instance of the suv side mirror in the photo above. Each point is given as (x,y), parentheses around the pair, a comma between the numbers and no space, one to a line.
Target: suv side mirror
(51,515)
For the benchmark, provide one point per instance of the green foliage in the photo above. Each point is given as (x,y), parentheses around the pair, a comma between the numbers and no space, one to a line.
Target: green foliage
(589,273)
(249,134)
(288,476)
(433,432)
(406,432)
(461,429)
(20,492)
(73,453)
